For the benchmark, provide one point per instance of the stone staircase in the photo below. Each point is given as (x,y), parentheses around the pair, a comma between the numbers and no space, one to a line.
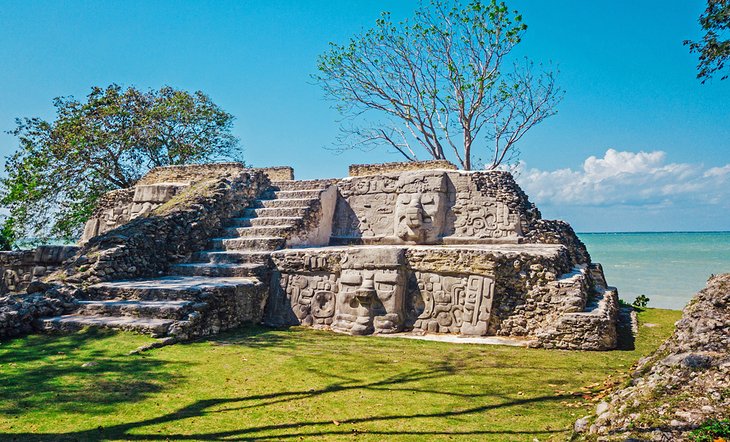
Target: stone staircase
(262,228)
(221,285)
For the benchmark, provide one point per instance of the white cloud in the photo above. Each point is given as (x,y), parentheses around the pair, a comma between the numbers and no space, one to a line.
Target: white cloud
(628,178)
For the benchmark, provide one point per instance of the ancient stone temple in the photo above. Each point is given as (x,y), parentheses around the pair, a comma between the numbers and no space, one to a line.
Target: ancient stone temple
(401,248)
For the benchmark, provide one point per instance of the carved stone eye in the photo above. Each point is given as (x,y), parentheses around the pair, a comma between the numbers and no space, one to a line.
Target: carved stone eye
(351,279)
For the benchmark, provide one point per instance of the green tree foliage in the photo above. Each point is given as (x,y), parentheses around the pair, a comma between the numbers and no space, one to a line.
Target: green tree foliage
(442,82)
(106,142)
(641,301)
(714,48)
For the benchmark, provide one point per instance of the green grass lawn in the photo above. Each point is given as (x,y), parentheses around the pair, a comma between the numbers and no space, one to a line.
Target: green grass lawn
(302,384)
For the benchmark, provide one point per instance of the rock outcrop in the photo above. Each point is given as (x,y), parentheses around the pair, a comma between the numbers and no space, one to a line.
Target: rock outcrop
(681,385)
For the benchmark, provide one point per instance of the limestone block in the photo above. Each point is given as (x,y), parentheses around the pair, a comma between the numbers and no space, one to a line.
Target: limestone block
(375,169)
(157,193)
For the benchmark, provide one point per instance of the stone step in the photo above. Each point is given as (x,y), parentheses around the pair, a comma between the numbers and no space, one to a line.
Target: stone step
(143,309)
(301,184)
(275,212)
(288,202)
(178,288)
(258,231)
(297,194)
(233,257)
(280,221)
(252,243)
(68,323)
(218,270)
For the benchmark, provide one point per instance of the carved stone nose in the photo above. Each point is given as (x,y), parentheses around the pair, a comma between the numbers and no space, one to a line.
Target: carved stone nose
(414,216)
(366,293)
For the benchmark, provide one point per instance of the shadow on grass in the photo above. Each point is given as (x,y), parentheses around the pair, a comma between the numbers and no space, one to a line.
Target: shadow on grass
(134,378)
(304,428)
(47,371)
(626,341)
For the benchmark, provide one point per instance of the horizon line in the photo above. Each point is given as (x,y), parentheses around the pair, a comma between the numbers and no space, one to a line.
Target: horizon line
(653,231)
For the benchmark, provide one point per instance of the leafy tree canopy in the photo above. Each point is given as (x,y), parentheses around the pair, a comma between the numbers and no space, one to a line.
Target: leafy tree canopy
(104,143)
(441,83)
(714,48)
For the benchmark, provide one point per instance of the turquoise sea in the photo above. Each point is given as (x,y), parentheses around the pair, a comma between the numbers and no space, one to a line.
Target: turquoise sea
(669,268)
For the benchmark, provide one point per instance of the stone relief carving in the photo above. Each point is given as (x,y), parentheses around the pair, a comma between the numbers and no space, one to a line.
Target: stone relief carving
(369,301)
(372,290)
(422,207)
(484,218)
(409,208)
(312,297)
(451,304)
(370,296)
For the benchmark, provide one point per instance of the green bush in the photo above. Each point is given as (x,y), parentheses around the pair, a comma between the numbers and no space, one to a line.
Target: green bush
(711,431)
(641,301)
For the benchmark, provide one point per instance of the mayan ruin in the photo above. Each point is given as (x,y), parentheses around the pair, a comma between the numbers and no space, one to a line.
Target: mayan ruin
(410,248)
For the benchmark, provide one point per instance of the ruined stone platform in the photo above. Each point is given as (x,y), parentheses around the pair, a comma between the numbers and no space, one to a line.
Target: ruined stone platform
(416,249)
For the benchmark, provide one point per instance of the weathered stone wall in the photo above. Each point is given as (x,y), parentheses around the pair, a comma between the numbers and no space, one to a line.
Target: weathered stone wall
(20,267)
(583,323)
(432,207)
(684,383)
(117,208)
(171,233)
(19,313)
(378,169)
(542,231)
(197,172)
(160,185)
(278,173)
(189,173)
(477,291)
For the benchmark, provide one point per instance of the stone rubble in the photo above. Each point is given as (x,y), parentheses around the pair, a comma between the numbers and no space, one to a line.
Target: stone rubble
(684,383)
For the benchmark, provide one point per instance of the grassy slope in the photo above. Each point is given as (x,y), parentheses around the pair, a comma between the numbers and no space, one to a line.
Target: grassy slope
(266,384)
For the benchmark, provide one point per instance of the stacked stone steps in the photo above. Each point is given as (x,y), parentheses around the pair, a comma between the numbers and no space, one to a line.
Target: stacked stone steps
(152,306)
(262,227)
(68,323)
(233,257)
(301,185)
(263,221)
(258,243)
(219,270)
(258,231)
(276,212)
(168,288)
(166,309)
(279,202)
(297,194)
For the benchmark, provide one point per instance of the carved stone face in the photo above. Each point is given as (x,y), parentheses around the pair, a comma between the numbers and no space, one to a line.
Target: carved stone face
(354,298)
(369,301)
(419,217)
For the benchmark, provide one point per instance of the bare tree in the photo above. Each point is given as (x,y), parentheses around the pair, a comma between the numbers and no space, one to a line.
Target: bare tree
(442,83)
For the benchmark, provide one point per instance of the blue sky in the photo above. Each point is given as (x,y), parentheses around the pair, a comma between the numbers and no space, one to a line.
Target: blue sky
(638,143)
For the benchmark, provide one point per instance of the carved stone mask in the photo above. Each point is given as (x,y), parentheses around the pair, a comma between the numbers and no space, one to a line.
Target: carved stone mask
(419,217)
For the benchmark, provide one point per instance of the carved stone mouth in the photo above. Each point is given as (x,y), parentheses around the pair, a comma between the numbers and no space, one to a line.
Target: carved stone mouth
(364,296)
